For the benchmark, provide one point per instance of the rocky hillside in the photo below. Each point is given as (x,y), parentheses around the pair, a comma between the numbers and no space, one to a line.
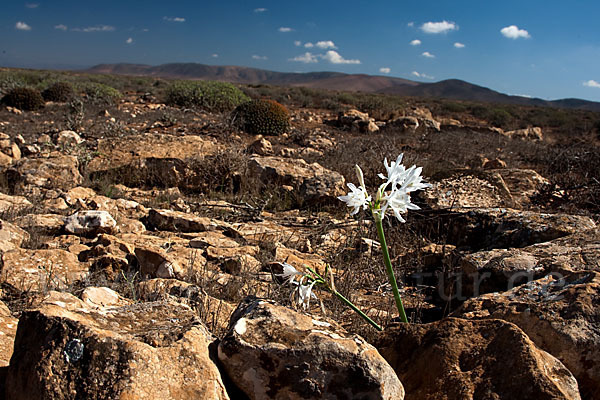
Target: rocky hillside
(142,247)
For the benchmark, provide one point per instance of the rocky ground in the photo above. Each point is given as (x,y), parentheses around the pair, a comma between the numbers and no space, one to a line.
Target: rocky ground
(140,254)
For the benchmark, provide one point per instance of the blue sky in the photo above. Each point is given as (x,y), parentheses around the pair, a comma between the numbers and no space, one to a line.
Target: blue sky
(548,49)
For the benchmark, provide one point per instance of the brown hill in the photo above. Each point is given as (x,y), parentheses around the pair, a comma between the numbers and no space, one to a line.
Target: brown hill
(449,89)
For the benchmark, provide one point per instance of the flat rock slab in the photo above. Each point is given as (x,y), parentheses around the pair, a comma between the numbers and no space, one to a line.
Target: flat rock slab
(272,352)
(8,330)
(67,349)
(459,359)
(11,236)
(57,171)
(561,315)
(41,270)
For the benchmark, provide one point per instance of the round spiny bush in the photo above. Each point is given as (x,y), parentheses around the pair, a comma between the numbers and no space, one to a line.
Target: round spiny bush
(207,95)
(24,99)
(59,91)
(262,117)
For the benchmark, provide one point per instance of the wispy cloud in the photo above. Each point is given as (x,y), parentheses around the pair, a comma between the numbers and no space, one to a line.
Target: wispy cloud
(410,24)
(97,28)
(309,45)
(32,5)
(22,26)
(335,58)
(61,27)
(592,83)
(325,44)
(420,75)
(513,32)
(257,57)
(174,19)
(214,55)
(415,42)
(385,70)
(260,10)
(306,58)
(129,41)
(297,43)
(285,29)
(427,54)
(439,27)
(459,45)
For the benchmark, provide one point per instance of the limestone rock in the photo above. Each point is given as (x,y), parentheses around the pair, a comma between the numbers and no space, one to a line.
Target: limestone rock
(560,314)
(46,224)
(13,203)
(157,263)
(68,138)
(272,352)
(90,222)
(311,182)
(176,221)
(40,270)
(406,123)
(460,359)
(58,171)
(357,121)
(530,133)
(11,236)
(66,349)
(100,297)
(261,147)
(8,330)
(468,191)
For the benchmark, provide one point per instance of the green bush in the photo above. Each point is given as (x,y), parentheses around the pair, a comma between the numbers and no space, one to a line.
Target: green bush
(24,99)
(262,117)
(99,93)
(59,91)
(207,95)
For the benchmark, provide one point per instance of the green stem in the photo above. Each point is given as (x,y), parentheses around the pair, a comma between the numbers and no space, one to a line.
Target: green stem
(356,310)
(388,267)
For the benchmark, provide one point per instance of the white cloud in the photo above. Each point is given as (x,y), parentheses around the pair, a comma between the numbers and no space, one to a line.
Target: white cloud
(427,54)
(306,58)
(420,75)
(459,45)
(174,19)
(410,24)
(214,55)
(513,32)
(326,44)
(415,42)
(335,58)
(32,5)
(438,27)
(97,28)
(60,27)
(285,29)
(592,83)
(22,26)
(385,70)
(297,43)
(129,40)
(257,57)
(308,45)
(260,10)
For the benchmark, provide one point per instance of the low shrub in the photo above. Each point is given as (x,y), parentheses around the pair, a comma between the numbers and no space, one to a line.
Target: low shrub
(262,117)
(59,91)
(206,95)
(99,93)
(24,98)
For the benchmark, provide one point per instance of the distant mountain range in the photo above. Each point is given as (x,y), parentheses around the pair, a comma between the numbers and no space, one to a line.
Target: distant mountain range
(449,89)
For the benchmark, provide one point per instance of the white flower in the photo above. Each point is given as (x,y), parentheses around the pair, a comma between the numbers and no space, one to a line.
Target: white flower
(395,170)
(289,273)
(358,196)
(399,201)
(305,293)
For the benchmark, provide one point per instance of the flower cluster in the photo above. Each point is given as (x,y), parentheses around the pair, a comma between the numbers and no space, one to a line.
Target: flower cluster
(394,193)
(304,284)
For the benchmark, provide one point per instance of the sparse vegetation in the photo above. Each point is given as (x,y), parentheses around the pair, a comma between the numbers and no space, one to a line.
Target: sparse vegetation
(262,117)
(99,93)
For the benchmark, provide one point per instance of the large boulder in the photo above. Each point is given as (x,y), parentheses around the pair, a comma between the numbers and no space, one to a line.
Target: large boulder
(560,314)
(90,223)
(460,359)
(69,349)
(311,183)
(57,171)
(272,352)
